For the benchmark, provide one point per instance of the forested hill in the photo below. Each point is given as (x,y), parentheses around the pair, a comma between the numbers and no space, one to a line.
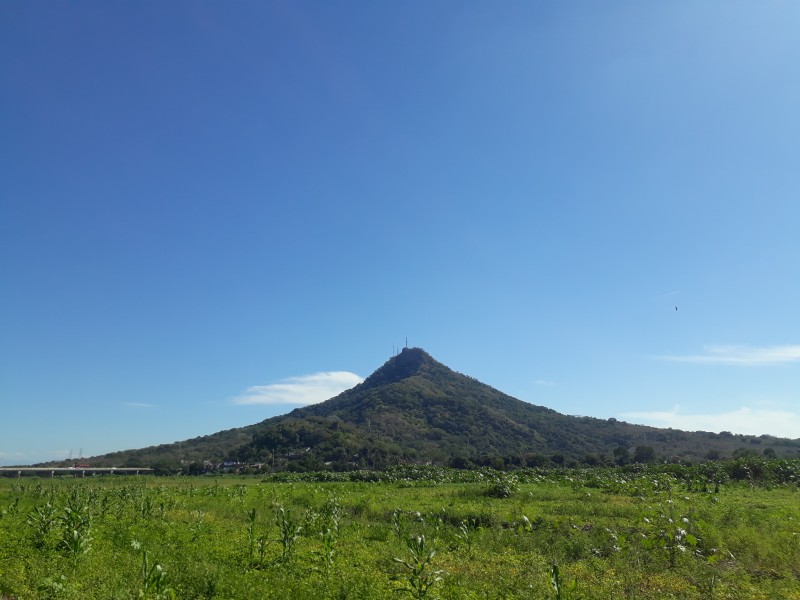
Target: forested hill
(415,409)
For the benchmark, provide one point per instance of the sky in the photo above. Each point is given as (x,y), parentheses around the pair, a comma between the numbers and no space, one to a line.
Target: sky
(214,212)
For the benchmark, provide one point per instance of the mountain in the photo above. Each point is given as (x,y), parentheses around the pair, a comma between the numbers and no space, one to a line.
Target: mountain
(415,409)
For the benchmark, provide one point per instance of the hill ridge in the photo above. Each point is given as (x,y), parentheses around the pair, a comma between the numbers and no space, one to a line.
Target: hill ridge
(414,409)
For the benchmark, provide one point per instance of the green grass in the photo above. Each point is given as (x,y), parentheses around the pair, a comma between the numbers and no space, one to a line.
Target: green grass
(436,534)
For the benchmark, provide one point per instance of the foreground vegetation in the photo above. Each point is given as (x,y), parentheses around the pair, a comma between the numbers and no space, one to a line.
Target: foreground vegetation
(711,531)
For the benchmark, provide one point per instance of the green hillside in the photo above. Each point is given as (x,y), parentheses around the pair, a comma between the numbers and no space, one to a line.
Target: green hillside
(416,410)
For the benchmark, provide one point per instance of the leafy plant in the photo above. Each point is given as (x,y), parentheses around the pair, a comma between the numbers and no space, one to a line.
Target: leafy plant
(42,519)
(75,543)
(397,522)
(561,590)
(328,550)
(76,520)
(668,533)
(289,531)
(52,588)
(251,534)
(196,525)
(466,532)
(503,486)
(256,544)
(154,579)
(419,577)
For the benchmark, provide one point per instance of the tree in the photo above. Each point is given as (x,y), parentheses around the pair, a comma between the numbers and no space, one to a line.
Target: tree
(591,460)
(195,468)
(742,451)
(166,466)
(460,462)
(535,460)
(644,454)
(621,455)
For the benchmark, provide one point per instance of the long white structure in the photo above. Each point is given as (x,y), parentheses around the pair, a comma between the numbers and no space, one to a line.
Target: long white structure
(77,471)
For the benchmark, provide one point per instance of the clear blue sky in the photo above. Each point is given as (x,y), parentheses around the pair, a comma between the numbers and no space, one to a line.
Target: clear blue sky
(212,212)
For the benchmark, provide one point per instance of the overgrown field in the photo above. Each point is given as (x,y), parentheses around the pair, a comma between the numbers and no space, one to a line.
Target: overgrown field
(647,532)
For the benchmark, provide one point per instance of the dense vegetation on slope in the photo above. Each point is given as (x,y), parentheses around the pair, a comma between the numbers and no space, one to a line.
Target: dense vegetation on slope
(416,410)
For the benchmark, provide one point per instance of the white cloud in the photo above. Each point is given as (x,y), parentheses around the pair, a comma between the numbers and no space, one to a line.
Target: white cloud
(741,355)
(306,389)
(545,382)
(749,421)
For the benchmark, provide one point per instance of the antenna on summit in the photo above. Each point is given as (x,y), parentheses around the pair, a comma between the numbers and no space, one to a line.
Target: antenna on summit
(406,342)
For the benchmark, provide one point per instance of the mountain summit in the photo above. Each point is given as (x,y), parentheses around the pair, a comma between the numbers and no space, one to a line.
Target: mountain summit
(409,362)
(414,409)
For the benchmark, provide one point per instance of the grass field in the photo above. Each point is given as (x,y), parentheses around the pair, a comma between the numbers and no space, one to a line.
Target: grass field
(416,532)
